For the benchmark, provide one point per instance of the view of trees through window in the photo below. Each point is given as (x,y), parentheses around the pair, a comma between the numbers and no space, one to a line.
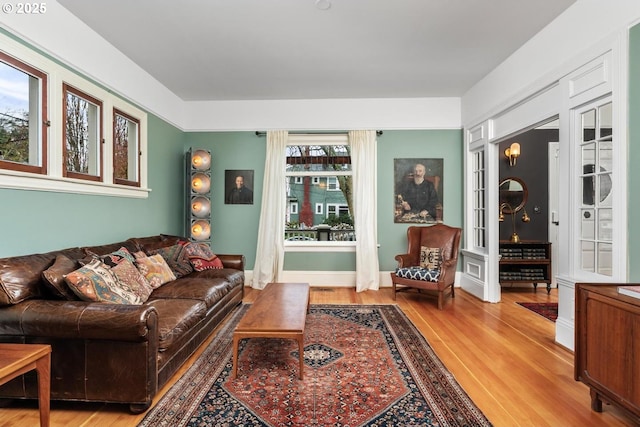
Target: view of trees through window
(319,192)
(14,114)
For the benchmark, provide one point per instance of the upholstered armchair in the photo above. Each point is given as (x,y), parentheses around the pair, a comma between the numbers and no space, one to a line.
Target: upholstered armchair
(430,262)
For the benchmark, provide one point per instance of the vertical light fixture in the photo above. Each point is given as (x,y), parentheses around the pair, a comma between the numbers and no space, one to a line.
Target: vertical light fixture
(198,195)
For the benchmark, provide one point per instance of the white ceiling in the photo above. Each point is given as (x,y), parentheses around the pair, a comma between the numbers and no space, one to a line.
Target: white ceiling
(290,49)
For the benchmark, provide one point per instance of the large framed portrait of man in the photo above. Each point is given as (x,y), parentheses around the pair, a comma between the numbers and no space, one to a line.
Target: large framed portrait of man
(238,187)
(418,196)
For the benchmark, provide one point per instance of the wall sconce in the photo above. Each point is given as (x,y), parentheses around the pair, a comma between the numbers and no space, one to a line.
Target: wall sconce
(198,165)
(525,218)
(512,152)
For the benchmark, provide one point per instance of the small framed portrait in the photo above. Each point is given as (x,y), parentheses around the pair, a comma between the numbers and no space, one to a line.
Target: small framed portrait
(418,190)
(238,186)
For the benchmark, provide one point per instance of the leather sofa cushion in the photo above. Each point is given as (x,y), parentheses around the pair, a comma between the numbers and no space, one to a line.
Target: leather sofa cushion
(111,247)
(209,291)
(175,318)
(21,276)
(234,277)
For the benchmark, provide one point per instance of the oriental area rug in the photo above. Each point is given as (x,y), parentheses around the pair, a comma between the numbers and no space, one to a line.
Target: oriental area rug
(544,309)
(364,366)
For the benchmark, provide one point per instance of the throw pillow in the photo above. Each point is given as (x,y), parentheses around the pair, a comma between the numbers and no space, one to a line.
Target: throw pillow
(96,282)
(201,257)
(53,277)
(132,281)
(430,258)
(155,269)
(176,258)
(114,258)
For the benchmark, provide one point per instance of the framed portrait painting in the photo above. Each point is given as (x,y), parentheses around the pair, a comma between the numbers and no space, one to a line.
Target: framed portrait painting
(238,187)
(418,188)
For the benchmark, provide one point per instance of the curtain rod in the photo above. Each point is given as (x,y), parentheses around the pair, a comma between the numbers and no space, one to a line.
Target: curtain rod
(263,133)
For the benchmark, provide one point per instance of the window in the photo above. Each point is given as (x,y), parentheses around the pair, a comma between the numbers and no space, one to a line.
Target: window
(333,184)
(23,111)
(595,176)
(82,124)
(479,225)
(126,149)
(77,152)
(293,208)
(320,166)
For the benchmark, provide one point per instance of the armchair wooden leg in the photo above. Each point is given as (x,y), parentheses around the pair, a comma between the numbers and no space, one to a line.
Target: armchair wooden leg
(394,291)
(440,299)
(453,291)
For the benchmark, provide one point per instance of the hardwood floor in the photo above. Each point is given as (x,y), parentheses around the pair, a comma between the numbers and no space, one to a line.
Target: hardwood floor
(502,354)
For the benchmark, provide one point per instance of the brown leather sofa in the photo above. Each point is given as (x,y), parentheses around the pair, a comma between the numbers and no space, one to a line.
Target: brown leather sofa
(112,352)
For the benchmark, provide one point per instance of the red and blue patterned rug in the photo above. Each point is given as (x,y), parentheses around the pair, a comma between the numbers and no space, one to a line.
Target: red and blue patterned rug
(364,366)
(544,309)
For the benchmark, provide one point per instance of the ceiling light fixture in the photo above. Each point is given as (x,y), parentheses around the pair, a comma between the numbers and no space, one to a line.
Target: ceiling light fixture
(323,4)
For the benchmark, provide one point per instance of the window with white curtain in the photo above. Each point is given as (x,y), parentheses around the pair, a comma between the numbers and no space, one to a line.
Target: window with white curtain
(319,173)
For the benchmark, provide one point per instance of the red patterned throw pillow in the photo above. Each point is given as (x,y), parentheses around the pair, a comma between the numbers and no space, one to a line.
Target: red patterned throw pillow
(201,257)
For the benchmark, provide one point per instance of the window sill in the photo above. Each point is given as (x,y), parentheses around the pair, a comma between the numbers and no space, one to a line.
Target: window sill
(24,181)
(316,246)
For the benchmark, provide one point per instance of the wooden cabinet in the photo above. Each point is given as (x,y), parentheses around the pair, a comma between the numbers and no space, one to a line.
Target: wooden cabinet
(525,262)
(607,347)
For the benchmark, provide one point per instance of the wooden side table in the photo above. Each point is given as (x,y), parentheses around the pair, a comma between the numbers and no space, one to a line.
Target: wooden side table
(18,359)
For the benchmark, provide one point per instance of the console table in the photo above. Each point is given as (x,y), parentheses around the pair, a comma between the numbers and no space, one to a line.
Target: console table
(607,347)
(525,262)
(18,359)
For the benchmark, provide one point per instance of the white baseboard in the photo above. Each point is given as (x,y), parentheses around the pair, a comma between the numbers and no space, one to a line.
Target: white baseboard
(336,279)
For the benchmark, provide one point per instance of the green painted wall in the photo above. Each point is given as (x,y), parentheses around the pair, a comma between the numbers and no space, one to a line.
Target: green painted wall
(235,227)
(39,221)
(633,177)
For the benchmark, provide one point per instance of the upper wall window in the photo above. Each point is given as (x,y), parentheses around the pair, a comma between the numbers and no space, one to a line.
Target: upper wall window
(23,111)
(61,132)
(82,135)
(126,149)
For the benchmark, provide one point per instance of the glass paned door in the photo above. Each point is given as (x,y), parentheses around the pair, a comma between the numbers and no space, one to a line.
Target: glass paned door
(596,210)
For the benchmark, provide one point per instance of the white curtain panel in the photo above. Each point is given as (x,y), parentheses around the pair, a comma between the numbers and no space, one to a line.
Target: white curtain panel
(270,249)
(364,154)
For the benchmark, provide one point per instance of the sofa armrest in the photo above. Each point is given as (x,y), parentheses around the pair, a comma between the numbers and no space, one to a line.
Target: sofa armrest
(80,320)
(232,261)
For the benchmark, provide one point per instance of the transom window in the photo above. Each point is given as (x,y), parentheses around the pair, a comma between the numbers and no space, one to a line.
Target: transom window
(82,135)
(23,112)
(126,149)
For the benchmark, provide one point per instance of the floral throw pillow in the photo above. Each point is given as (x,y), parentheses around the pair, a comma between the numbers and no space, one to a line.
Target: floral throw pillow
(96,282)
(132,281)
(201,257)
(430,258)
(176,258)
(155,269)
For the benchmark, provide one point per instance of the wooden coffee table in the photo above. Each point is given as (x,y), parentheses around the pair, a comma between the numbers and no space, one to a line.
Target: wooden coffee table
(18,359)
(280,311)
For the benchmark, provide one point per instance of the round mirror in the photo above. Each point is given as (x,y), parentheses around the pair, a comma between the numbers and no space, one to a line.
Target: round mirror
(513,195)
